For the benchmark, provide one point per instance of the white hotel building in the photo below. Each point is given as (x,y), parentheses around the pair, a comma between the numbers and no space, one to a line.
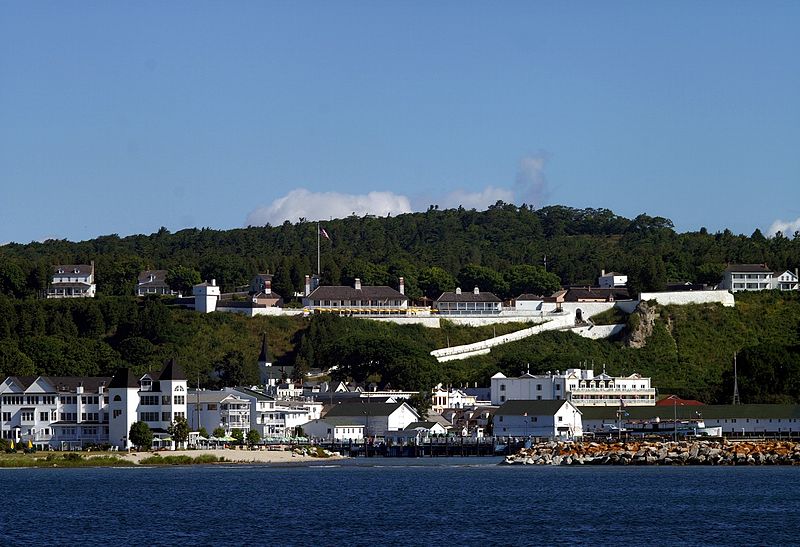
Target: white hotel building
(61,412)
(156,399)
(581,386)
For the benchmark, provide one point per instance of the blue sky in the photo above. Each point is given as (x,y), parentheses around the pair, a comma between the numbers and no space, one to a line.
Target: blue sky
(121,117)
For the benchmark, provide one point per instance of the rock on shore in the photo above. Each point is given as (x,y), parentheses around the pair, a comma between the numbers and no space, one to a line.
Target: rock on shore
(659,453)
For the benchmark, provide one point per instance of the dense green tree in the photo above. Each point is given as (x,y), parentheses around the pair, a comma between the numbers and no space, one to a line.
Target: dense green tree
(141,436)
(486,279)
(182,279)
(434,281)
(531,279)
(218,432)
(179,430)
(253,437)
(238,436)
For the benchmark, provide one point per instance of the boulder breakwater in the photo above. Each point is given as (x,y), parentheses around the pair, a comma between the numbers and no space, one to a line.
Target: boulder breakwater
(697,452)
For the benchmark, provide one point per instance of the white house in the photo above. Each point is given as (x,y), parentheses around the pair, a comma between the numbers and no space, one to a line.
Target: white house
(442,398)
(265,417)
(213,409)
(746,277)
(543,419)
(54,411)
(611,279)
(151,282)
(72,281)
(581,386)
(155,399)
(787,281)
(341,429)
(379,418)
(355,300)
(469,303)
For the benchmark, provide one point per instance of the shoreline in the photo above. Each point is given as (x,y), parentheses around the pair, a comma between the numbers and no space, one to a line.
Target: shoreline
(231,455)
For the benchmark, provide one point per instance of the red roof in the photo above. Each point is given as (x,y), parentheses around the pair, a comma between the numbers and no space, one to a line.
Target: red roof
(670,400)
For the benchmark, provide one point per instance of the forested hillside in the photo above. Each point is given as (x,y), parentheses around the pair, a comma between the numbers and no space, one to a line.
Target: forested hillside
(502,249)
(689,352)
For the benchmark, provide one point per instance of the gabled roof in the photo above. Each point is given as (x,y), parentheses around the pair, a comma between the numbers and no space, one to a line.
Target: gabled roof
(159,277)
(362,409)
(259,396)
(529,296)
(748,268)
(340,292)
(70,269)
(532,408)
(342,421)
(423,425)
(469,296)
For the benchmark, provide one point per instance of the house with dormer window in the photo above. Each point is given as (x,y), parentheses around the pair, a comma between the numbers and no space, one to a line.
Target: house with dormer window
(61,412)
(72,281)
(152,282)
(154,398)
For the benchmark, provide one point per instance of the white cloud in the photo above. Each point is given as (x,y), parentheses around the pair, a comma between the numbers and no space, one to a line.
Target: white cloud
(530,184)
(301,203)
(476,200)
(786,227)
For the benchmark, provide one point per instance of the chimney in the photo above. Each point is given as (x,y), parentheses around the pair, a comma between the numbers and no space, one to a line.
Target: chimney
(458,290)
(602,273)
(476,290)
(268,286)
(308,285)
(213,282)
(402,286)
(358,284)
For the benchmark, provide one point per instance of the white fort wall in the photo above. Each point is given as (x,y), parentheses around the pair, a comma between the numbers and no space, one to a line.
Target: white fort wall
(681,298)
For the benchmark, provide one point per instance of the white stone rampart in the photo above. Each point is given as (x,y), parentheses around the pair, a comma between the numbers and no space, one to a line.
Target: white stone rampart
(681,298)
(597,332)
(430,322)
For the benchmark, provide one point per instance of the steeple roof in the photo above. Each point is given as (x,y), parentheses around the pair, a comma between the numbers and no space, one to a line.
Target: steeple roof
(264,357)
(172,371)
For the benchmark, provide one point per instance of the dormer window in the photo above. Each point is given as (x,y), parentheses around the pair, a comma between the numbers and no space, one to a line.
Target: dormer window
(76,270)
(146,383)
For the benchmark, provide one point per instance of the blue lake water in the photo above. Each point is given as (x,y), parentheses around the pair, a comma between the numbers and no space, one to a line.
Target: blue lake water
(442,501)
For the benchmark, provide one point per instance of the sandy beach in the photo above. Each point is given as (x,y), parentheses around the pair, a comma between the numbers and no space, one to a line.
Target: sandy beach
(231,455)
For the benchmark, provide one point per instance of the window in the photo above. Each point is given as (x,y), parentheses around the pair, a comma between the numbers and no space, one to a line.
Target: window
(6,416)
(180,414)
(538,387)
(117,399)
(211,406)
(558,387)
(180,399)
(117,413)
(502,387)
(165,417)
(502,398)
(149,400)
(148,416)
(179,388)
(44,416)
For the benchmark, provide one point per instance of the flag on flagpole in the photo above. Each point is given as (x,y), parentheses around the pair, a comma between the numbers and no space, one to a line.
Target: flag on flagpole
(324,234)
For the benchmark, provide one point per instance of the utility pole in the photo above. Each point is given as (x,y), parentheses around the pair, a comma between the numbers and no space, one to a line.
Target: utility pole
(736,399)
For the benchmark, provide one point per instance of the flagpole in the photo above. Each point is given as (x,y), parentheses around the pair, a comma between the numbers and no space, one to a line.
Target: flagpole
(317,248)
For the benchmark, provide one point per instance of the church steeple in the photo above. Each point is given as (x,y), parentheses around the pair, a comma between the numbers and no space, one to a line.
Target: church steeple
(264,356)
